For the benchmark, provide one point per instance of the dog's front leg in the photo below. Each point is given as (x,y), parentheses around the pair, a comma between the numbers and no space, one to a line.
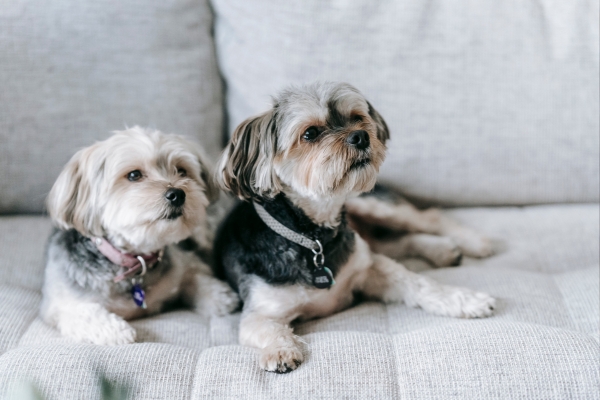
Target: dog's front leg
(89,322)
(207,295)
(279,349)
(390,281)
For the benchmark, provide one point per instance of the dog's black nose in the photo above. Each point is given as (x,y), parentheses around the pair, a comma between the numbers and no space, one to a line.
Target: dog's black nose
(358,139)
(175,196)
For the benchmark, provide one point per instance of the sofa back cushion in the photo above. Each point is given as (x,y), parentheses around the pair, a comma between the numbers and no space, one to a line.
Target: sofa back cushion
(488,102)
(72,71)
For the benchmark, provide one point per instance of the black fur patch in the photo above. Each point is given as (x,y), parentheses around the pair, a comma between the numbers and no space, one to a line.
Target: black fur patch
(245,246)
(87,269)
(383,132)
(334,118)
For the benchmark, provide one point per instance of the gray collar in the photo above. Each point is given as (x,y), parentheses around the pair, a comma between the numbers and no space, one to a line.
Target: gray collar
(314,245)
(322,276)
(286,232)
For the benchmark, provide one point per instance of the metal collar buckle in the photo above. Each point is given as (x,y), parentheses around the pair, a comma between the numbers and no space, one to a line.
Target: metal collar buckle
(319,257)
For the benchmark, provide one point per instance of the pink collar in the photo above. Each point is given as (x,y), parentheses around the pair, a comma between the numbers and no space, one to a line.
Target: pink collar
(132,263)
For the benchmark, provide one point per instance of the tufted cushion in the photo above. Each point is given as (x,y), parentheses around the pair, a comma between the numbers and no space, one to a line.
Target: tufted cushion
(488,102)
(543,341)
(73,71)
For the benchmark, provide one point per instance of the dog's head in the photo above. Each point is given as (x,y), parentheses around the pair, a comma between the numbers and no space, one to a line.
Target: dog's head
(142,189)
(321,141)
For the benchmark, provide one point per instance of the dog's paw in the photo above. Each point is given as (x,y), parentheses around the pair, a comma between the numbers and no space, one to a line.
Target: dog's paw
(473,244)
(280,359)
(475,304)
(226,301)
(216,299)
(94,324)
(115,333)
(445,254)
(455,302)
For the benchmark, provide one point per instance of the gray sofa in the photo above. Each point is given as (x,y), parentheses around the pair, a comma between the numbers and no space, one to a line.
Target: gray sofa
(493,109)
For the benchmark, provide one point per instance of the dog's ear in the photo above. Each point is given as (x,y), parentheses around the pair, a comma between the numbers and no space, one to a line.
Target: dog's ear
(383,133)
(70,201)
(246,165)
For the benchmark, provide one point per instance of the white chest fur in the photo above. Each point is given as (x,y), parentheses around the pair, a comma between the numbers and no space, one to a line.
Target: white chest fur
(302,302)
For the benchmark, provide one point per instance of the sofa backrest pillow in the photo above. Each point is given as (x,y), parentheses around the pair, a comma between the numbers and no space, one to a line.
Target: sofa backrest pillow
(488,102)
(72,71)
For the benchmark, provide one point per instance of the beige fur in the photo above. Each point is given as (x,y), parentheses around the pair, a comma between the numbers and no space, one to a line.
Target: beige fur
(431,234)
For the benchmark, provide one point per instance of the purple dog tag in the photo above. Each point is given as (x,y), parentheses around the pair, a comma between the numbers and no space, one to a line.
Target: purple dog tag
(139,296)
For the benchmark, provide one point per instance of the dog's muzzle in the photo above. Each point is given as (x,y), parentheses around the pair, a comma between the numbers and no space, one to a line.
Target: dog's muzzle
(363,162)
(359,140)
(175,197)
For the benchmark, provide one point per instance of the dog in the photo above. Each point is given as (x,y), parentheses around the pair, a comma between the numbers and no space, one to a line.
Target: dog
(288,249)
(131,237)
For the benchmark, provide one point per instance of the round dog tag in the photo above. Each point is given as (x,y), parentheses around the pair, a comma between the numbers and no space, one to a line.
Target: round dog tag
(323,278)
(139,296)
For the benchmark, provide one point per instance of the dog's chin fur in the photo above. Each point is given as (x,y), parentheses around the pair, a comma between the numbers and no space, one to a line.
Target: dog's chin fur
(144,232)
(154,235)
(330,183)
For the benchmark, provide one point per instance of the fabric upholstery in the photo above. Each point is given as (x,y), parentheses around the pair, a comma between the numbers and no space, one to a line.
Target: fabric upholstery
(73,71)
(488,102)
(543,341)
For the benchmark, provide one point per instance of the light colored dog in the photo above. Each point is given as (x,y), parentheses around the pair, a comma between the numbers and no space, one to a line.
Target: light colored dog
(132,229)
(288,249)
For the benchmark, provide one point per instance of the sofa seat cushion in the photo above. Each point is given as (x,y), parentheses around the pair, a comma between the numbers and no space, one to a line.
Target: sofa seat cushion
(542,342)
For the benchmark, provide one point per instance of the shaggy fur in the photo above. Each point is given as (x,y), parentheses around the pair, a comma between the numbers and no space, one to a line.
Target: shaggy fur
(258,250)
(318,147)
(95,196)
(394,227)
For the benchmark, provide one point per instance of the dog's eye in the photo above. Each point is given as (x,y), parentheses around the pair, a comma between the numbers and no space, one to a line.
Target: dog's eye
(182,172)
(357,118)
(134,175)
(311,134)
